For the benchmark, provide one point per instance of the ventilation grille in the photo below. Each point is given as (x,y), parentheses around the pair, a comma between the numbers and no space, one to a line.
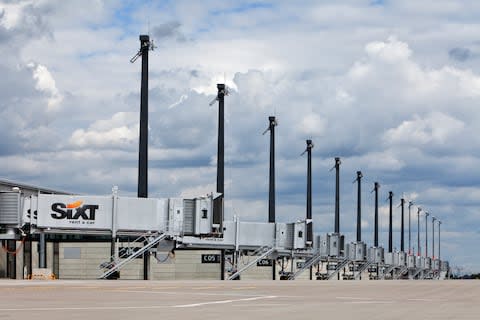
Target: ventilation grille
(188,217)
(10,208)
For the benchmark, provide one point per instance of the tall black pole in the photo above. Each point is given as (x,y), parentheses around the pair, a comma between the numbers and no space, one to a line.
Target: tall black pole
(143,141)
(359,206)
(337,195)
(218,206)
(419,249)
(271,190)
(221,134)
(402,240)
(309,191)
(433,237)
(426,234)
(410,204)
(439,223)
(390,231)
(376,187)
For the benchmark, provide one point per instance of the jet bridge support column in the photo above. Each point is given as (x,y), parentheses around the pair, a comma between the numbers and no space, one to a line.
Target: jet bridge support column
(11,259)
(42,251)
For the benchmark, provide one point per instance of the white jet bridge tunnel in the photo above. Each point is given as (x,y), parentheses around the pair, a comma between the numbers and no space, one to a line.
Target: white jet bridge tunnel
(181,223)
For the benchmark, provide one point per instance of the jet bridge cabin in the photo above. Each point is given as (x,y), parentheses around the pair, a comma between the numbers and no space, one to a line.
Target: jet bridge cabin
(104,215)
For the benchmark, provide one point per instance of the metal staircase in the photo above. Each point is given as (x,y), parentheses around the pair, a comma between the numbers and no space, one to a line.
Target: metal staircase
(388,270)
(146,242)
(417,273)
(341,264)
(310,262)
(400,273)
(364,267)
(261,253)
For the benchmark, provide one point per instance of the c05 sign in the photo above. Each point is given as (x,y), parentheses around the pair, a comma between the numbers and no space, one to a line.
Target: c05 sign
(210,258)
(264,263)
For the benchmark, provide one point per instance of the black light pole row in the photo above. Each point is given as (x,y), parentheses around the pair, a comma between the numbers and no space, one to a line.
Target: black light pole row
(419,248)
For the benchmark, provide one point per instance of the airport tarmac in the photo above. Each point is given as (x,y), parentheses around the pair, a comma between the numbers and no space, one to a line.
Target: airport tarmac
(230,300)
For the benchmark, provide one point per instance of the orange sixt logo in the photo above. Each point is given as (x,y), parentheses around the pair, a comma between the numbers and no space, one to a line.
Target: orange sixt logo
(74,211)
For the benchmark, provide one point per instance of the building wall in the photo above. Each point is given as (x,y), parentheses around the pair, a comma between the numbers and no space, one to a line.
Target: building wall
(184,265)
(81,260)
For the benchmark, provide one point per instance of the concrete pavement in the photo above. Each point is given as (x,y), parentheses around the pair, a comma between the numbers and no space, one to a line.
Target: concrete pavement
(359,300)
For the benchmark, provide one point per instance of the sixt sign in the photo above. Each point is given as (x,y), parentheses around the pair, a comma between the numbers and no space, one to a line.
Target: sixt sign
(74,212)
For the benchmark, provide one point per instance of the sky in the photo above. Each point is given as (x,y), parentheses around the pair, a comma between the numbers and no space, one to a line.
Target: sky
(390,86)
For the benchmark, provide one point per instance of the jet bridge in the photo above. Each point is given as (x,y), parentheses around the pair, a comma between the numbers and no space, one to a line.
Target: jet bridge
(113,215)
(188,222)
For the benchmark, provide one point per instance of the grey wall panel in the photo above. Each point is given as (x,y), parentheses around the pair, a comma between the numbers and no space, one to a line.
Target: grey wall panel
(139,214)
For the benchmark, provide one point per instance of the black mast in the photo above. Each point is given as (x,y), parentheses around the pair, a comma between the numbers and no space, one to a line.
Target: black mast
(337,195)
(271,190)
(390,232)
(359,206)
(376,186)
(308,150)
(142,191)
(439,223)
(419,250)
(433,237)
(426,234)
(402,204)
(218,203)
(221,134)
(410,204)
(143,142)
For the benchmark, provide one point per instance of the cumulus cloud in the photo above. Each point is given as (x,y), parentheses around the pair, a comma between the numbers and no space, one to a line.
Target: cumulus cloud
(389,51)
(391,60)
(435,128)
(118,132)
(312,125)
(46,83)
